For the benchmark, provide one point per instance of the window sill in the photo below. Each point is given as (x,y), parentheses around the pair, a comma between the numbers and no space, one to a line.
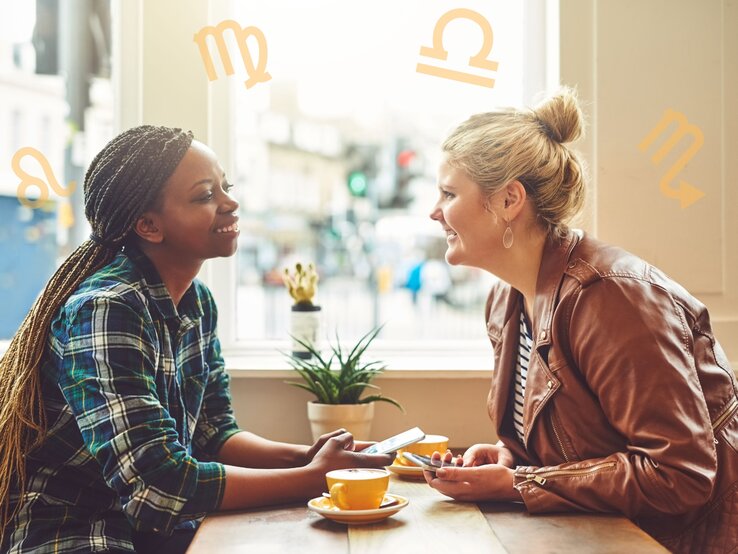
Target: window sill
(401,363)
(408,363)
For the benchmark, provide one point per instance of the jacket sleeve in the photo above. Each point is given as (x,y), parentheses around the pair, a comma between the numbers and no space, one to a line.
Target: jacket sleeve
(107,379)
(631,342)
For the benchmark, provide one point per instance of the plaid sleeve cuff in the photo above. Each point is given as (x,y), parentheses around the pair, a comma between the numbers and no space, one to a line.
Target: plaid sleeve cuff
(209,490)
(217,441)
(201,492)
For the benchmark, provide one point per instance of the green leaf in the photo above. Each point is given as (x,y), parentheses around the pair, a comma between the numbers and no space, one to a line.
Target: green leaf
(318,394)
(322,390)
(380,398)
(352,392)
(312,350)
(359,348)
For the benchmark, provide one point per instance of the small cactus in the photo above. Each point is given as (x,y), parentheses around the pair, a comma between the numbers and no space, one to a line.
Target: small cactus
(303,284)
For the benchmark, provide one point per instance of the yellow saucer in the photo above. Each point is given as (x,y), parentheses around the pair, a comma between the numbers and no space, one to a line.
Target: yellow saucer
(325,507)
(406,472)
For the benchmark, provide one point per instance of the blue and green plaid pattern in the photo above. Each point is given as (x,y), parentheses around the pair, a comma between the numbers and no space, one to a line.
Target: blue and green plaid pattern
(138,405)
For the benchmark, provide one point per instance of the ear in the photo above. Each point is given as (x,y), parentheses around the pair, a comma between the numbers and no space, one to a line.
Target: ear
(147,227)
(514,196)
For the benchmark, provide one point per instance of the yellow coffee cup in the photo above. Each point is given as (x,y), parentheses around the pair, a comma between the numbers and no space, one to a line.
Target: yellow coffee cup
(357,488)
(426,447)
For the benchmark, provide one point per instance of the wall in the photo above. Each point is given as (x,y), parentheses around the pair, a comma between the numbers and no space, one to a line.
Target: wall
(455,408)
(632,61)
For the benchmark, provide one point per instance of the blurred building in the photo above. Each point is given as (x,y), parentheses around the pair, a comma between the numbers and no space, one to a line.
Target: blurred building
(32,113)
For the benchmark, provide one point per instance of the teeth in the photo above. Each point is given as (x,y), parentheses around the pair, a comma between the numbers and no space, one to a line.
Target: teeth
(228,229)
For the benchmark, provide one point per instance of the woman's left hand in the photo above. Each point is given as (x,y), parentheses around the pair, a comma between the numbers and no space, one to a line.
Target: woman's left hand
(361,445)
(313,450)
(471,484)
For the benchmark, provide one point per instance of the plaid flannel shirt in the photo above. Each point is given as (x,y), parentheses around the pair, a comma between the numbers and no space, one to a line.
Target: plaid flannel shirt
(138,405)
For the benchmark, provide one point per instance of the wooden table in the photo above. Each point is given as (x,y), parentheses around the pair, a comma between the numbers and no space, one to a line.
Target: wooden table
(430,523)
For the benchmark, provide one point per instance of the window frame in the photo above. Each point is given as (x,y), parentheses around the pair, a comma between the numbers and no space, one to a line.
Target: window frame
(133,78)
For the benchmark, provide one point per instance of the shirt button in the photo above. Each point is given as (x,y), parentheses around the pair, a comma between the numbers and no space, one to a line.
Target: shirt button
(542,335)
(550,384)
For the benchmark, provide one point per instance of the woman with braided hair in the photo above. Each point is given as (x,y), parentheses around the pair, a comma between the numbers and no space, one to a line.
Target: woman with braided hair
(116,427)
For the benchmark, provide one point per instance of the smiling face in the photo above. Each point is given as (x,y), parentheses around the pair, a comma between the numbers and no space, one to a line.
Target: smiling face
(196,217)
(472,232)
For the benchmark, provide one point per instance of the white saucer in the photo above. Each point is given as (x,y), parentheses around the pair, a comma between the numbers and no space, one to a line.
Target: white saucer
(325,508)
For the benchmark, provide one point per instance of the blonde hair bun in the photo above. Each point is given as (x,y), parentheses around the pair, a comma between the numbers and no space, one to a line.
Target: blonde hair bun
(528,145)
(560,116)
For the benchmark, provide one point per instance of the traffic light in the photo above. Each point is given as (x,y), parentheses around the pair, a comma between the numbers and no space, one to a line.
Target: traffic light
(358,183)
(361,169)
(405,160)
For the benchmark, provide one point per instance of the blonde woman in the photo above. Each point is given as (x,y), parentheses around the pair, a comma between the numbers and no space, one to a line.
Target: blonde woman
(610,391)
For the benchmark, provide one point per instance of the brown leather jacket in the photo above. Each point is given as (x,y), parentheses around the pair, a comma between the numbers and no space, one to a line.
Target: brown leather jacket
(630,403)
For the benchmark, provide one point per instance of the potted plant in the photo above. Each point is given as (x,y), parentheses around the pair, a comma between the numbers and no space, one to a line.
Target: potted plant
(305,317)
(338,383)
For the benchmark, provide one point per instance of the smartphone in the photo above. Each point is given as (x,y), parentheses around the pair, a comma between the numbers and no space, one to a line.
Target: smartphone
(426,462)
(395,443)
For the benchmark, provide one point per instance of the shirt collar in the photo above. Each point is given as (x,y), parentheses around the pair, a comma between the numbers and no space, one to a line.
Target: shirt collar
(189,307)
(554,261)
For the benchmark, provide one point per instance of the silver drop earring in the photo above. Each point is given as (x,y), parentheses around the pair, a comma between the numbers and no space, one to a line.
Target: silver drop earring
(507,238)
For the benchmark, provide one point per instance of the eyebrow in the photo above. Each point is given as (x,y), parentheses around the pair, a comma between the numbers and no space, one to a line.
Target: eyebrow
(204,181)
(201,182)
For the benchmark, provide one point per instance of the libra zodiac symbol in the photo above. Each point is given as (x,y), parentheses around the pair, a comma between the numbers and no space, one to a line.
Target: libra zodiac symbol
(479,60)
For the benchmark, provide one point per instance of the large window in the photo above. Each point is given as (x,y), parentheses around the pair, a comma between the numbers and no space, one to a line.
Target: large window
(334,158)
(55,114)
(336,163)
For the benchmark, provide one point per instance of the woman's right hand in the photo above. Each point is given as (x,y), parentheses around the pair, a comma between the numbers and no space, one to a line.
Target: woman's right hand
(337,452)
(483,454)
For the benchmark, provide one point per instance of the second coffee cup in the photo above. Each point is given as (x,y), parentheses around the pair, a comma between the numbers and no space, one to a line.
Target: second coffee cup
(357,488)
(426,447)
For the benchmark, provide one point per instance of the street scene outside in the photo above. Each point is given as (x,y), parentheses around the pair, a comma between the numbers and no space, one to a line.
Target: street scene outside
(334,165)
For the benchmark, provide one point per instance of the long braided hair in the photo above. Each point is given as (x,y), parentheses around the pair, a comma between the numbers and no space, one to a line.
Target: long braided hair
(124,180)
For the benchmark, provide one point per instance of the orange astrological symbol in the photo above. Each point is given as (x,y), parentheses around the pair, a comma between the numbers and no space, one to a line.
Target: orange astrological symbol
(439,53)
(31,181)
(685,193)
(257,74)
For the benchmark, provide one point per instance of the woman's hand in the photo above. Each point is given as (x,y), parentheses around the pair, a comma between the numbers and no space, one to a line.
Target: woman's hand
(491,481)
(361,445)
(483,454)
(337,450)
(318,444)
(356,446)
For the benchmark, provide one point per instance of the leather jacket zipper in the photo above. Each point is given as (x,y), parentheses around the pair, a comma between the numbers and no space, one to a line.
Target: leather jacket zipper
(558,439)
(725,416)
(542,477)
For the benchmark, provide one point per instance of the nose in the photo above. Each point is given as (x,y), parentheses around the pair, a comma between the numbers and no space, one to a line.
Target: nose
(229,204)
(436,214)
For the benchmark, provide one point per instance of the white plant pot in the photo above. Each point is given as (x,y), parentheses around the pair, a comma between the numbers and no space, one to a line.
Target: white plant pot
(304,325)
(355,418)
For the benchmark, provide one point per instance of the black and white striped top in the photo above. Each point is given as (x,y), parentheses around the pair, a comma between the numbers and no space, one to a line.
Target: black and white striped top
(521,374)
